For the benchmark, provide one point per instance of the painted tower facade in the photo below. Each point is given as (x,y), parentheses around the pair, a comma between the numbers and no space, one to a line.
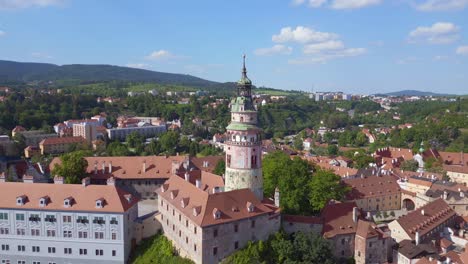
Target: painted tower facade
(243,144)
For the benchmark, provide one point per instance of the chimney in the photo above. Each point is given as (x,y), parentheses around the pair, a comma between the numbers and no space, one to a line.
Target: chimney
(95,167)
(111,181)
(448,260)
(277,197)
(58,180)
(198,183)
(86,181)
(355,214)
(110,166)
(103,167)
(422,211)
(369,216)
(445,195)
(144,166)
(417,238)
(187,176)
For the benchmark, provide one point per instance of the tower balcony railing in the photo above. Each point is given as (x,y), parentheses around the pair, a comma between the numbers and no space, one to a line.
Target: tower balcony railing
(243,143)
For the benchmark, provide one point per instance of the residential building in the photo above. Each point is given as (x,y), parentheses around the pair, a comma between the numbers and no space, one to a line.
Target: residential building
(146,131)
(31,137)
(66,223)
(372,244)
(86,131)
(375,193)
(423,223)
(59,145)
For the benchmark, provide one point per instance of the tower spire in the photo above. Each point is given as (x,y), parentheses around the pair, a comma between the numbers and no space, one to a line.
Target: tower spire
(244,70)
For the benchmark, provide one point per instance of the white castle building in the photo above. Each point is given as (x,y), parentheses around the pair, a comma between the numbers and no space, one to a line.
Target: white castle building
(65,223)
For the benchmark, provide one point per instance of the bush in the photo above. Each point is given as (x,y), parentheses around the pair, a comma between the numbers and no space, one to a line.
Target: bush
(157,249)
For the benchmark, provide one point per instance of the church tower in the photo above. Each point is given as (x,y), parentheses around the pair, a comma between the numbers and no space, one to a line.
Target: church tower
(243,144)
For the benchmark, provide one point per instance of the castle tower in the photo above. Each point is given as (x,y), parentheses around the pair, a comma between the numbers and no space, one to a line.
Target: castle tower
(243,144)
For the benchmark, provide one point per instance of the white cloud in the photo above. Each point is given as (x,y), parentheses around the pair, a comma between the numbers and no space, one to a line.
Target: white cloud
(438,33)
(442,5)
(276,49)
(316,3)
(338,4)
(2,33)
(163,55)
(302,35)
(323,46)
(407,60)
(353,4)
(329,55)
(462,50)
(16,4)
(138,65)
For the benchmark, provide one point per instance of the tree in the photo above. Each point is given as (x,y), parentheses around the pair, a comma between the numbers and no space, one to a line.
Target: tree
(220,167)
(169,141)
(283,248)
(324,186)
(153,148)
(117,149)
(134,140)
(361,160)
(409,165)
(298,143)
(332,150)
(72,167)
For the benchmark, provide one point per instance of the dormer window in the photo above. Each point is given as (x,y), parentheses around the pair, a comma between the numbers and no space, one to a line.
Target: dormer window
(100,203)
(128,197)
(67,202)
(250,207)
(184,202)
(21,200)
(164,187)
(196,211)
(43,201)
(174,194)
(216,213)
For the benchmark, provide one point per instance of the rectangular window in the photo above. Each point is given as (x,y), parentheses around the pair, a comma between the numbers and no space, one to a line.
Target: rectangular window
(228,158)
(99,220)
(66,218)
(4,231)
(114,221)
(34,218)
(252,224)
(35,232)
(195,247)
(36,262)
(98,235)
(50,233)
(195,229)
(3,216)
(82,234)
(67,234)
(99,252)
(51,250)
(5,247)
(19,217)
(67,251)
(5,261)
(20,232)
(215,251)
(21,248)
(21,261)
(50,218)
(114,253)
(114,236)
(83,251)
(236,228)
(36,249)
(82,219)
(215,233)
(236,245)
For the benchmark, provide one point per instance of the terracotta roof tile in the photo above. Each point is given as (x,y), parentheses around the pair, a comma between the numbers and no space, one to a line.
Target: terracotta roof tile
(232,205)
(338,219)
(435,213)
(131,167)
(372,186)
(84,197)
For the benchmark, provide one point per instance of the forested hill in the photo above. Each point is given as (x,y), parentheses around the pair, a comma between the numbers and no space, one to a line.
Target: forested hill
(27,71)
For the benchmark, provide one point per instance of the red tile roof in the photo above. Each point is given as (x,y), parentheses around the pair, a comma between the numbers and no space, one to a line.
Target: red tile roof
(367,229)
(84,198)
(338,219)
(200,205)
(435,213)
(372,186)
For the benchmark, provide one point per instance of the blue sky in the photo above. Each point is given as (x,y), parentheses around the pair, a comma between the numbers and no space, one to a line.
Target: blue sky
(355,46)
